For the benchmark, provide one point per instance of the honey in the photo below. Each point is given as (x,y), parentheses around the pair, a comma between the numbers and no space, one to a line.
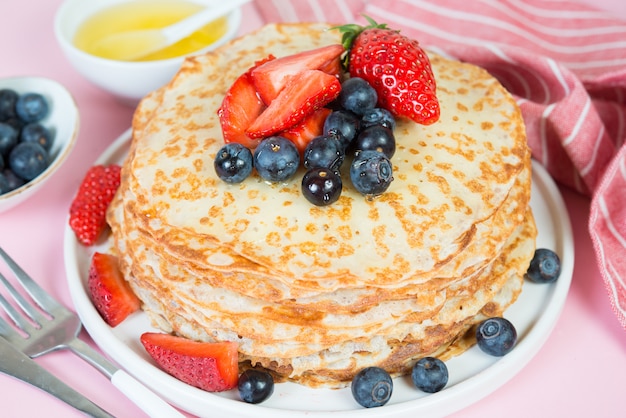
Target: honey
(148,14)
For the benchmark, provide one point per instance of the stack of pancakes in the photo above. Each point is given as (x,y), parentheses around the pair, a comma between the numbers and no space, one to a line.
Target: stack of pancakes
(315,294)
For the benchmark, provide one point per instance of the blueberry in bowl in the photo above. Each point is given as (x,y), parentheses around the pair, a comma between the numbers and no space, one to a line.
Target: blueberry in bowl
(38,127)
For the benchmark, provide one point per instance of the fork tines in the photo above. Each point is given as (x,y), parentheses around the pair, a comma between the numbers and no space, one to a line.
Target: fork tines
(31,288)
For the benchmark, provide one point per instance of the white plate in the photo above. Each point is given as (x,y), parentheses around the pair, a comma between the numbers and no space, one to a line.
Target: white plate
(473,375)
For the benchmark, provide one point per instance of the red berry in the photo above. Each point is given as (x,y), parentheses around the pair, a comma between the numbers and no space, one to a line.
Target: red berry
(312,126)
(240,107)
(271,77)
(302,95)
(88,209)
(212,367)
(109,292)
(397,67)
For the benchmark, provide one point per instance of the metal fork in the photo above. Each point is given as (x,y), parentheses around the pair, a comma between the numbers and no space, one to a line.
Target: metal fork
(54,327)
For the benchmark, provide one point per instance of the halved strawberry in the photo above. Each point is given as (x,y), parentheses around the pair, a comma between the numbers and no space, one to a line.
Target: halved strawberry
(271,77)
(239,108)
(209,366)
(333,67)
(303,95)
(310,127)
(109,292)
(88,209)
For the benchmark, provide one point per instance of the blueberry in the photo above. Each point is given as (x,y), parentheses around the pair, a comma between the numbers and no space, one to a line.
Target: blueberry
(372,387)
(324,151)
(377,138)
(378,116)
(9,137)
(16,123)
(28,160)
(496,336)
(31,107)
(429,374)
(4,184)
(36,132)
(343,123)
(321,186)
(545,267)
(233,163)
(276,159)
(8,98)
(357,96)
(255,386)
(13,180)
(371,172)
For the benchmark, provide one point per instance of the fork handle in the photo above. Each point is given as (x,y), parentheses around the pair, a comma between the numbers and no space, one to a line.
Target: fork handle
(134,390)
(143,397)
(15,363)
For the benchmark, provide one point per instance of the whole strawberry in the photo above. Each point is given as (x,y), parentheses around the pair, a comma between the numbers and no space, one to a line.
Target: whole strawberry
(88,209)
(396,66)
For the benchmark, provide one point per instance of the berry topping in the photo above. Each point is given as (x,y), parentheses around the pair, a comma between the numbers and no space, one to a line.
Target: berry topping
(357,96)
(240,107)
(371,172)
(378,116)
(272,77)
(372,387)
(321,186)
(302,95)
(407,88)
(310,127)
(496,336)
(209,366)
(429,374)
(376,138)
(345,124)
(88,209)
(324,151)
(109,292)
(255,386)
(233,163)
(299,98)
(276,159)
(545,267)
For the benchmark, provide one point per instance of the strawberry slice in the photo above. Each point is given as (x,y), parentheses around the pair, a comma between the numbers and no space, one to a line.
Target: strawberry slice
(109,292)
(271,77)
(239,108)
(310,127)
(303,95)
(88,209)
(209,366)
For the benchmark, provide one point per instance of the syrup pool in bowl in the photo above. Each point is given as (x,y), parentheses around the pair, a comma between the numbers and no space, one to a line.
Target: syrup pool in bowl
(147,14)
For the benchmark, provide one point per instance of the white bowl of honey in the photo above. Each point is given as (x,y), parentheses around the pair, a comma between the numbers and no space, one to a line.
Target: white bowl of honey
(79,24)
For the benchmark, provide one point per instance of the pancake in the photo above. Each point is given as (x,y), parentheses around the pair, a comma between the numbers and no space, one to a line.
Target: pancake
(316,293)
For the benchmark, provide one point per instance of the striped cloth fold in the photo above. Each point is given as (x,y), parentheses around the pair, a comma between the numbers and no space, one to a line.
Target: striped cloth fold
(564,62)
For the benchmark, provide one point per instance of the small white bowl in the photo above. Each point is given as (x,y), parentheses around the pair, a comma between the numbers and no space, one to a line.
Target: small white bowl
(129,81)
(62,120)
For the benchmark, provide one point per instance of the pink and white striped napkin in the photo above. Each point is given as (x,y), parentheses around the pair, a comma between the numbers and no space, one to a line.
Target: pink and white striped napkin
(566,65)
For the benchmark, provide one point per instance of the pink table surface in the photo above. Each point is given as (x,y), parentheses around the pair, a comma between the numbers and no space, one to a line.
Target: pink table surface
(579,372)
